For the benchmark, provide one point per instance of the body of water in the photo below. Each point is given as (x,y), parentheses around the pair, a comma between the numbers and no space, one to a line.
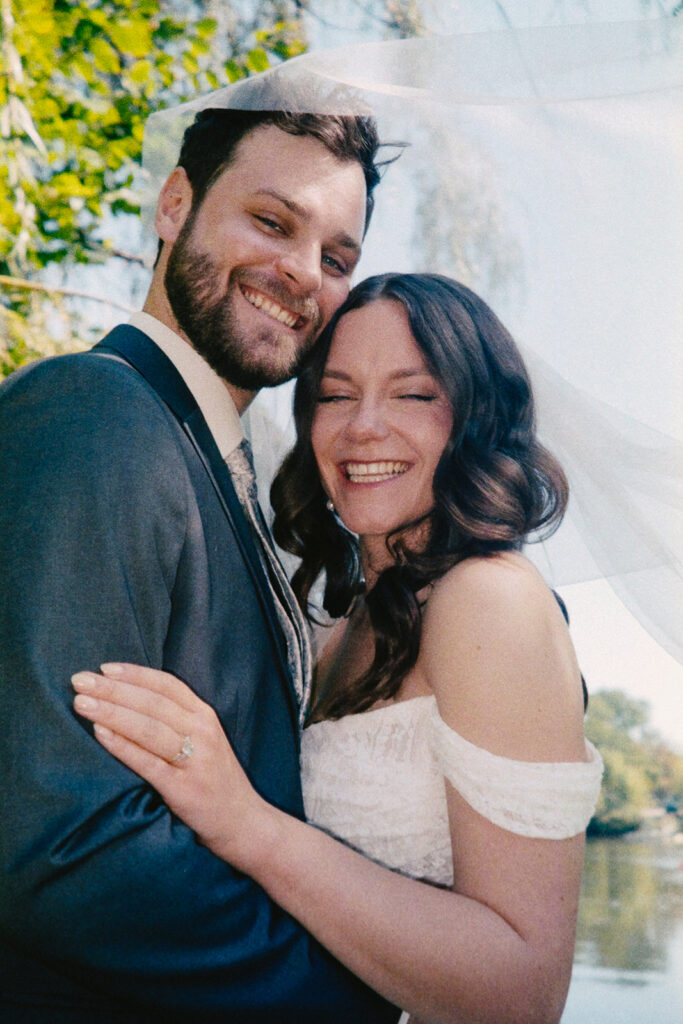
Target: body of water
(628,967)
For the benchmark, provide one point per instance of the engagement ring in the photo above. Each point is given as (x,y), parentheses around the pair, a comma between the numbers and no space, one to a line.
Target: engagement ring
(186,750)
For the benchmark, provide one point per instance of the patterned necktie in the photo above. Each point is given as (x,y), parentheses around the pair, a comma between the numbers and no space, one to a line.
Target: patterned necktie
(299,656)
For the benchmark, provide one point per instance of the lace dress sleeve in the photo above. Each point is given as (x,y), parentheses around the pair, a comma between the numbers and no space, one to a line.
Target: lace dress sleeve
(539,800)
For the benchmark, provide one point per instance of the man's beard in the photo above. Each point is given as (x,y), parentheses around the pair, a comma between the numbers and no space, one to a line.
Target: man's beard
(249,359)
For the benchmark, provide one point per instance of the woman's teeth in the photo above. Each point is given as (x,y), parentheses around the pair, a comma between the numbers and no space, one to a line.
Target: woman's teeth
(374,472)
(271,307)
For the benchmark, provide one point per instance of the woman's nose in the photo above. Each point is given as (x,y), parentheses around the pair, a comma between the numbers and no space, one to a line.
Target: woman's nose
(367,421)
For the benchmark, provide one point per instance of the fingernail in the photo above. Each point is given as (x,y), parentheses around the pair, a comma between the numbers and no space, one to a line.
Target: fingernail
(112,668)
(83,703)
(102,731)
(83,681)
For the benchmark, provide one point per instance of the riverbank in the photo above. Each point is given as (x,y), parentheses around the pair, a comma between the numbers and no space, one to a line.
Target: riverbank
(628,965)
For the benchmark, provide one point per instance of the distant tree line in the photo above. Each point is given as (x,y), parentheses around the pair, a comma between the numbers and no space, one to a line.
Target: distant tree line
(641,771)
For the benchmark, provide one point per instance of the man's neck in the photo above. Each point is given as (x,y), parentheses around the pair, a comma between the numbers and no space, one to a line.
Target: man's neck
(157,305)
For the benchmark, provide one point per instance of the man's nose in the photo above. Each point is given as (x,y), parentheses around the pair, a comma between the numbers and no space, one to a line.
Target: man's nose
(303,267)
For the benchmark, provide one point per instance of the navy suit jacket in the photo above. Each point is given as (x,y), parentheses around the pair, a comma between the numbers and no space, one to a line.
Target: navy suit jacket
(121,538)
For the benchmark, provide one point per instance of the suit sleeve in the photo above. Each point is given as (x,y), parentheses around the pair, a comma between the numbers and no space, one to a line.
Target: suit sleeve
(98,878)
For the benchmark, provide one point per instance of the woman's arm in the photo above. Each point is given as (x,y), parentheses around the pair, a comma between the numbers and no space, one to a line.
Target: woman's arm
(499,948)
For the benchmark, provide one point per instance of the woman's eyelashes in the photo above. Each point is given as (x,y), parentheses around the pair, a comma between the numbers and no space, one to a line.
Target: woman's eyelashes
(418,397)
(415,396)
(328,399)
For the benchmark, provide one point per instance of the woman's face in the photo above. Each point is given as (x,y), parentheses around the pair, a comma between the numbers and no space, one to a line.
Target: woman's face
(381,423)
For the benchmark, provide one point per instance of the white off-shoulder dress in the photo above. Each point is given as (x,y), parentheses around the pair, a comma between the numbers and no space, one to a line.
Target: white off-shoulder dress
(376,780)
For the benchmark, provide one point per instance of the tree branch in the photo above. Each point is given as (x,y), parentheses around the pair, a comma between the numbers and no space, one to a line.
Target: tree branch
(21,283)
(130,257)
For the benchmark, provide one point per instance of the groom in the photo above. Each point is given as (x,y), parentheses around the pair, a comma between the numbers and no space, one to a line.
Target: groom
(122,538)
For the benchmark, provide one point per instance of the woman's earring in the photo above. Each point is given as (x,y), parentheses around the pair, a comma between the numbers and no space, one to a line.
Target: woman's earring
(329,505)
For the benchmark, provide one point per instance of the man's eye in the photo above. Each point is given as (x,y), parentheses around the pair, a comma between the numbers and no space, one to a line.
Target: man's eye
(269,223)
(334,264)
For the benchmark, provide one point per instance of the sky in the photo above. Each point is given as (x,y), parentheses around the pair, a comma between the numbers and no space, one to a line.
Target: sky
(616,653)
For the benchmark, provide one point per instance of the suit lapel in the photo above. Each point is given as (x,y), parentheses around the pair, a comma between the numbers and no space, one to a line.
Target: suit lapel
(136,348)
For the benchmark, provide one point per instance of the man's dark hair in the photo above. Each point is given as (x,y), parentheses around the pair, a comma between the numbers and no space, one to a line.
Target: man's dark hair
(209,144)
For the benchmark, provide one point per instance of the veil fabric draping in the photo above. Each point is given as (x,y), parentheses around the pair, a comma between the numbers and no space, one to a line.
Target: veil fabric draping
(544,168)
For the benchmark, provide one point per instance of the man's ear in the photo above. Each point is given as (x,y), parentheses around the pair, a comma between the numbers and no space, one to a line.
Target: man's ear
(175,203)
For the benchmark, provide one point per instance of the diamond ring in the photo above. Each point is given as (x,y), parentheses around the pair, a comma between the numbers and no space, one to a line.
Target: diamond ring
(186,751)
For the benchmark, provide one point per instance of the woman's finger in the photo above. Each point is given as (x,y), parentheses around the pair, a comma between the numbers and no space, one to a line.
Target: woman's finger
(149,734)
(136,698)
(153,679)
(196,795)
(153,769)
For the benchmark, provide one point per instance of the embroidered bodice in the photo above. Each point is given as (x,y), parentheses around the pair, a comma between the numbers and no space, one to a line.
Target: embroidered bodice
(376,780)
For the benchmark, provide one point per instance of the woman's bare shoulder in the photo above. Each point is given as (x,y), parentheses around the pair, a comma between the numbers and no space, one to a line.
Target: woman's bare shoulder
(506,585)
(497,653)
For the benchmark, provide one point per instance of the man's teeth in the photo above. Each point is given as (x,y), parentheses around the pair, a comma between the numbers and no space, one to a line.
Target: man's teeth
(374,472)
(272,308)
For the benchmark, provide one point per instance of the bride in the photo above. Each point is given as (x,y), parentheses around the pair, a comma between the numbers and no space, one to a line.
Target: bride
(445,738)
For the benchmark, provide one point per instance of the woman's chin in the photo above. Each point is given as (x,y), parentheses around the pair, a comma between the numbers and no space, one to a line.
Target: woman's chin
(372,532)
(366,524)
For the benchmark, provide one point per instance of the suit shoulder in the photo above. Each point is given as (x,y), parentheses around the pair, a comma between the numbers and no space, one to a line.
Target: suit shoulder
(89,417)
(61,379)
(82,391)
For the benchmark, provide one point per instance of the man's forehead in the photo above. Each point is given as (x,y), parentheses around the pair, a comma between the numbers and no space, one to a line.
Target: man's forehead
(268,152)
(293,170)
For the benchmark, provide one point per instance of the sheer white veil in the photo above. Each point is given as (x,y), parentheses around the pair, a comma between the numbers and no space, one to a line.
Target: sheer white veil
(545,170)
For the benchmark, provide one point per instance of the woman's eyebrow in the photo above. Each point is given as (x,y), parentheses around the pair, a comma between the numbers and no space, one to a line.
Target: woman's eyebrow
(397,375)
(337,374)
(418,371)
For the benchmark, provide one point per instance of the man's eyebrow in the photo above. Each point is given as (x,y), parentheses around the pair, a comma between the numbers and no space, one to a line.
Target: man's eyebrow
(346,241)
(291,205)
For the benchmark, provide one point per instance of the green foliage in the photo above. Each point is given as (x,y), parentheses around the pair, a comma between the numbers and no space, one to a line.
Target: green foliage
(615,717)
(624,794)
(629,907)
(78,80)
(640,771)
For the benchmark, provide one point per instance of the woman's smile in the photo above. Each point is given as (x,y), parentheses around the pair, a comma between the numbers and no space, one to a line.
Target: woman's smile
(373,472)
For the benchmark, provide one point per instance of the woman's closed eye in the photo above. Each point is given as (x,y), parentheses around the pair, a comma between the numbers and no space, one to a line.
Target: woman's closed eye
(418,396)
(337,397)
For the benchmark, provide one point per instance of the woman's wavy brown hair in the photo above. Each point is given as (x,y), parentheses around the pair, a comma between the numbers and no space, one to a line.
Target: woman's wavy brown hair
(494,485)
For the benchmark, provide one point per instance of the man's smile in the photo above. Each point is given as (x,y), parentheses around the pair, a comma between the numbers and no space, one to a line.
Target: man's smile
(272,308)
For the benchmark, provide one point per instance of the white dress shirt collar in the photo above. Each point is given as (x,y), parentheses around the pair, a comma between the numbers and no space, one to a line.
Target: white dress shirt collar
(209,391)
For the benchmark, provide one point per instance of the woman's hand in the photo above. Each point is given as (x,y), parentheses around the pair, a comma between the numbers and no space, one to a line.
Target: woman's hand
(160,728)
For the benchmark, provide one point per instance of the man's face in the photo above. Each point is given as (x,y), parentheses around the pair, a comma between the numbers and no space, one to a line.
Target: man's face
(261,265)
